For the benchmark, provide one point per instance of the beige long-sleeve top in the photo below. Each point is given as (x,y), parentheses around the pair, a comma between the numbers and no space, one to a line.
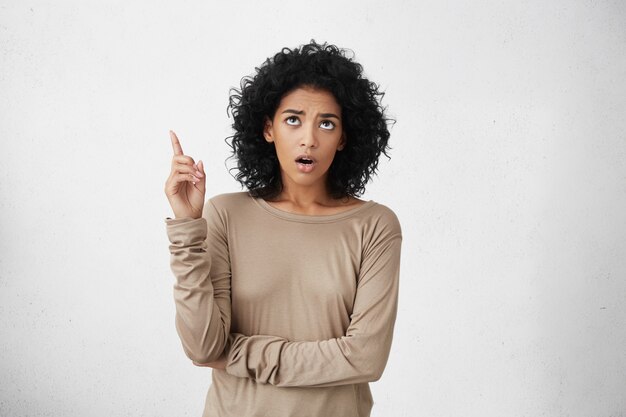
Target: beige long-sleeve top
(304,306)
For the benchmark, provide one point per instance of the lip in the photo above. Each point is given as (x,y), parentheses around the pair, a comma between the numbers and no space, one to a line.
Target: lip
(306,168)
(303,155)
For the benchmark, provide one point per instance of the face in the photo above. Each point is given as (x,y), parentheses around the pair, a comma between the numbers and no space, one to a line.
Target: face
(307,122)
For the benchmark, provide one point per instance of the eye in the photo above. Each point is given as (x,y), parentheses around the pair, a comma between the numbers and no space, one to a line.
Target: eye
(327,124)
(292,121)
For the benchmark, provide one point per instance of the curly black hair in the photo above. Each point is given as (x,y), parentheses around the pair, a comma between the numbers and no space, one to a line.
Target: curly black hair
(320,66)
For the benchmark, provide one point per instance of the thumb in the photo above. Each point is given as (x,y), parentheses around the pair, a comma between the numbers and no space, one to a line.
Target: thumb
(202,183)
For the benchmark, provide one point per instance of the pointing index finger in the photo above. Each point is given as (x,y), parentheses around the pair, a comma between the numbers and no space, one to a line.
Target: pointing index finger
(178,150)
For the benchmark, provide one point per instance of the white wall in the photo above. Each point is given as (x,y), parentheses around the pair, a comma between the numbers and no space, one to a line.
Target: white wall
(508,174)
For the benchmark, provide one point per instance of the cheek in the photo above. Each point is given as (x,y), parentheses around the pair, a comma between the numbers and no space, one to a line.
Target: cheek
(280,145)
(282,153)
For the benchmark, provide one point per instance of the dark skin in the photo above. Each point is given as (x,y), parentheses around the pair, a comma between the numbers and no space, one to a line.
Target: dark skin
(307,121)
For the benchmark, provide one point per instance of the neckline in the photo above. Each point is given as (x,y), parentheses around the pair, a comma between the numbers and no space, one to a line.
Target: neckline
(310,218)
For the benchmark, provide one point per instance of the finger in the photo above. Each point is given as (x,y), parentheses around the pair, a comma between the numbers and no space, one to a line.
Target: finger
(199,182)
(187,168)
(178,178)
(178,150)
(183,160)
(200,168)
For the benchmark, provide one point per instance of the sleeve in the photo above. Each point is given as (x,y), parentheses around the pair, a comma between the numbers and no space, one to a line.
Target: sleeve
(359,356)
(199,259)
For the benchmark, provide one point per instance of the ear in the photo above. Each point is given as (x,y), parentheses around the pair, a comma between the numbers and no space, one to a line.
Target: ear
(268,130)
(342,142)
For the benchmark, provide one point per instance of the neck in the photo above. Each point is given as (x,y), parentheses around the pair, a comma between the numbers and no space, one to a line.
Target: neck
(304,197)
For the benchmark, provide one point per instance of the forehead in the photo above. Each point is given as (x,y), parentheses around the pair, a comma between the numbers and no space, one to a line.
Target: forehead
(308,97)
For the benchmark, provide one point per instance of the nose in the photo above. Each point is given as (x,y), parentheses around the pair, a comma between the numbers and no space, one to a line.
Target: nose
(309,138)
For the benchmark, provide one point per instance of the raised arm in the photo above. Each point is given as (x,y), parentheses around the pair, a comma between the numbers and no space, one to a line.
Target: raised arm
(199,260)
(359,356)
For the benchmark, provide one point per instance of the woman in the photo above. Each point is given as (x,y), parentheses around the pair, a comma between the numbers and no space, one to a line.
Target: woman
(289,290)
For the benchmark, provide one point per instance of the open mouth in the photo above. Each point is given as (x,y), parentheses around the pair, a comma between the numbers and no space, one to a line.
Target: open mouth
(305,164)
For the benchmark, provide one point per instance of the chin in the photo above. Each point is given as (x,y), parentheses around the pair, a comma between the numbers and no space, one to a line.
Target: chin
(301,178)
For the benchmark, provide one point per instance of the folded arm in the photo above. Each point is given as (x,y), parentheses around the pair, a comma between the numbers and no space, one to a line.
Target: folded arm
(359,356)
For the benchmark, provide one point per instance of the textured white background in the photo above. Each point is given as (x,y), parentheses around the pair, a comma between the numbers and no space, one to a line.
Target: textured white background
(508,174)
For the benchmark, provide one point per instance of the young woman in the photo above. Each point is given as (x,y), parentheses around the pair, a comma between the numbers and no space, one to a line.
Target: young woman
(289,290)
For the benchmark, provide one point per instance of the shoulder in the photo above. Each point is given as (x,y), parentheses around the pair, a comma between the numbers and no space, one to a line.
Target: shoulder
(229,200)
(381,219)
(382,233)
(224,204)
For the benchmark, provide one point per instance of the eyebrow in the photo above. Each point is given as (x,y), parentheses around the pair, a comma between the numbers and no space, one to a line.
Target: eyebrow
(325,115)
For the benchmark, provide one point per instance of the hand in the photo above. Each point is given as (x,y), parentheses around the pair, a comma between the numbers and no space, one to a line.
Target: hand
(218,364)
(186,186)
